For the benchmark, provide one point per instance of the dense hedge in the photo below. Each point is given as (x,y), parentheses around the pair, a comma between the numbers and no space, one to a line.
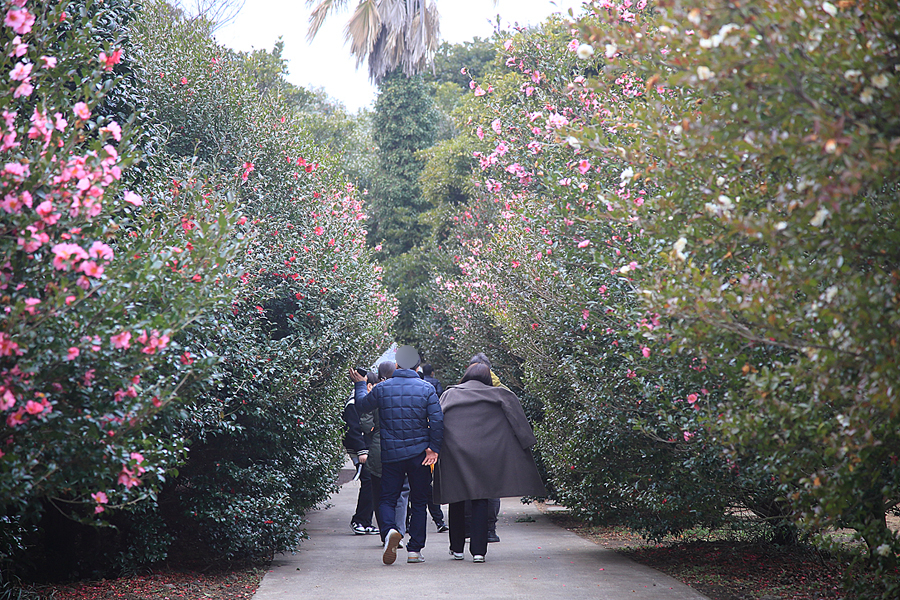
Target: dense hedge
(187,366)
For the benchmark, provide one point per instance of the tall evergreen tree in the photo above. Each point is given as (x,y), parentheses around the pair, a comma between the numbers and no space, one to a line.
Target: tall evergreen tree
(404,124)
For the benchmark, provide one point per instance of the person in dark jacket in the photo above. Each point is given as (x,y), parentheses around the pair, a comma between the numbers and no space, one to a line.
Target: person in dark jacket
(412,431)
(493,503)
(428,373)
(356,446)
(371,430)
(486,454)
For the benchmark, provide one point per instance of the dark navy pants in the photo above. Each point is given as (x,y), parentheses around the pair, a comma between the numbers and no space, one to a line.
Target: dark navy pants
(392,476)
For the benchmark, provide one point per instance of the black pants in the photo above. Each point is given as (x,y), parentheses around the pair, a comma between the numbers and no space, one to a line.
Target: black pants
(365,506)
(479,527)
(376,499)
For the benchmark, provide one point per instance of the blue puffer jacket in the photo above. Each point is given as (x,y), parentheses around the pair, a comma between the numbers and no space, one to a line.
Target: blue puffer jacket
(409,413)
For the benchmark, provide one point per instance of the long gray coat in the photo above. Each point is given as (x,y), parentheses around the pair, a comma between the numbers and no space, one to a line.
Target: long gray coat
(487,446)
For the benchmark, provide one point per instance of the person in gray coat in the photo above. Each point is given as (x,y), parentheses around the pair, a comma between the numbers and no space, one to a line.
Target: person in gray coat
(486,454)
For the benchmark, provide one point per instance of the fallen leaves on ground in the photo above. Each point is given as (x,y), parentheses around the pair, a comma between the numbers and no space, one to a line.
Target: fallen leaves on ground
(239,584)
(725,570)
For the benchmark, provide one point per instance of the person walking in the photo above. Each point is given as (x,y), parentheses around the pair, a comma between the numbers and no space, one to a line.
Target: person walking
(412,431)
(486,454)
(358,450)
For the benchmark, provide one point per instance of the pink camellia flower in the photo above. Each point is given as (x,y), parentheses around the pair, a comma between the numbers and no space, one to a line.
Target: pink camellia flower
(114,130)
(63,253)
(584,166)
(60,122)
(20,20)
(318,230)
(101,499)
(82,111)
(31,305)
(137,457)
(21,72)
(585,314)
(111,60)
(480,133)
(630,374)
(645,351)
(24,89)
(496,126)
(121,340)
(127,478)
(91,269)
(691,398)
(479,91)
(8,347)
(45,208)
(184,81)
(34,408)
(72,353)
(248,168)
(132,198)
(688,435)
(584,243)
(7,399)
(49,62)
(100,250)
(19,49)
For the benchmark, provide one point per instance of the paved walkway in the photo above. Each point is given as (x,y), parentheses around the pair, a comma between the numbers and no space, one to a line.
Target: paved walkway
(534,560)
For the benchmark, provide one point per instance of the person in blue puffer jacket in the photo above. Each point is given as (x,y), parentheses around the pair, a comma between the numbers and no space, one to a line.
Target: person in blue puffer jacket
(412,430)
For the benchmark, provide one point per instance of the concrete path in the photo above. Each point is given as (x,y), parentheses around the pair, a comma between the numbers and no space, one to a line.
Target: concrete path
(534,560)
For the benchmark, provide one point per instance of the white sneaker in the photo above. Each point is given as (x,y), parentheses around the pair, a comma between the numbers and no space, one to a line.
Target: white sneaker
(457,555)
(390,547)
(478,558)
(415,557)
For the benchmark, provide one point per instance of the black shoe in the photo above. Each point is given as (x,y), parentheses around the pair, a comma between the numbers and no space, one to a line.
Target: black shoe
(441,527)
(493,537)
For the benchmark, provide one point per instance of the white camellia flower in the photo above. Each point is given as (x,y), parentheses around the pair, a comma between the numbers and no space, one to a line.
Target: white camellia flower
(867,95)
(624,269)
(880,81)
(852,74)
(830,8)
(679,248)
(627,174)
(703,73)
(573,141)
(720,181)
(819,217)
(611,50)
(780,226)
(585,51)
(883,550)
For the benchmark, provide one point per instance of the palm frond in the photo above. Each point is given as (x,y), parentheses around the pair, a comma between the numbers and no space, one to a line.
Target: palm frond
(363,29)
(319,13)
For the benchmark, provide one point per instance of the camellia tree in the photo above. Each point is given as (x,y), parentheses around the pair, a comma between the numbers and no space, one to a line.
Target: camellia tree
(546,281)
(768,141)
(97,282)
(264,427)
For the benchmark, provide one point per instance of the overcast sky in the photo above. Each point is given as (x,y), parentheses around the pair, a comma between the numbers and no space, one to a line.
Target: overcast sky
(327,63)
